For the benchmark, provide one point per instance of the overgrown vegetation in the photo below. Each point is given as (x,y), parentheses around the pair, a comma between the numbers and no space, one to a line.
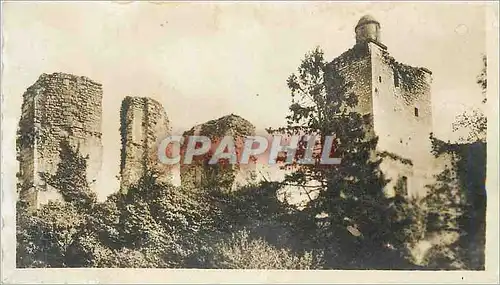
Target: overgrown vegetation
(347,223)
(409,77)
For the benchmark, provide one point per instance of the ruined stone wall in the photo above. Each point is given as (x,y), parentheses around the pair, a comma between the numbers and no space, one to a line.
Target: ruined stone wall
(401,94)
(403,114)
(199,174)
(57,107)
(144,123)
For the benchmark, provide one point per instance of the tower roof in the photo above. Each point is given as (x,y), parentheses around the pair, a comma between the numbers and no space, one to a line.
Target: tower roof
(367,19)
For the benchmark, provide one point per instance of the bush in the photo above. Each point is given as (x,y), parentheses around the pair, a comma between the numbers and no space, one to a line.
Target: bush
(43,236)
(240,251)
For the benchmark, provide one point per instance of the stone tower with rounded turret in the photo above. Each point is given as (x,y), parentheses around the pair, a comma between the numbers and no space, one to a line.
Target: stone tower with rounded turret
(397,99)
(367,29)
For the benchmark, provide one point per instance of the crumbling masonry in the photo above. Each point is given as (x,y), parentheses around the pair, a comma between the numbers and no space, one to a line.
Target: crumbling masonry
(226,176)
(144,124)
(58,107)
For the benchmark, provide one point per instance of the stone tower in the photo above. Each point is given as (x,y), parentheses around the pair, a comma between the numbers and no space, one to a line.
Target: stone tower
(58,107)
(397,97)
(144,124)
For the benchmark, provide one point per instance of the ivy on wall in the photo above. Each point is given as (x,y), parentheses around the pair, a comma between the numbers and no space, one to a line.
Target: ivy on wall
(126,103)
(396,157)
(411,79)
(355,53)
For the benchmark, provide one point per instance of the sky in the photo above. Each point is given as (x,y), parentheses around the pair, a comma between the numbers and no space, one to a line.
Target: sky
(206,60)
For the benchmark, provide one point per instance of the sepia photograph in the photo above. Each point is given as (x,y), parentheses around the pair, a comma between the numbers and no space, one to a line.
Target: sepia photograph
(249,142)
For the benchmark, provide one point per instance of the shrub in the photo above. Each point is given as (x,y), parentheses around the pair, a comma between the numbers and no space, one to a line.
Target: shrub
(240,251)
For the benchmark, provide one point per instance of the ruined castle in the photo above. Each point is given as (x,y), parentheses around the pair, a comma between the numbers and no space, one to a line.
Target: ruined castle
(396,97)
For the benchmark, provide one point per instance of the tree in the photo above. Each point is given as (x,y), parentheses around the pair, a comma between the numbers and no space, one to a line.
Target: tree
(154,224)
(474,120)
(44,235)
(482,78)
(457,203)
(463,201)
(350,195)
